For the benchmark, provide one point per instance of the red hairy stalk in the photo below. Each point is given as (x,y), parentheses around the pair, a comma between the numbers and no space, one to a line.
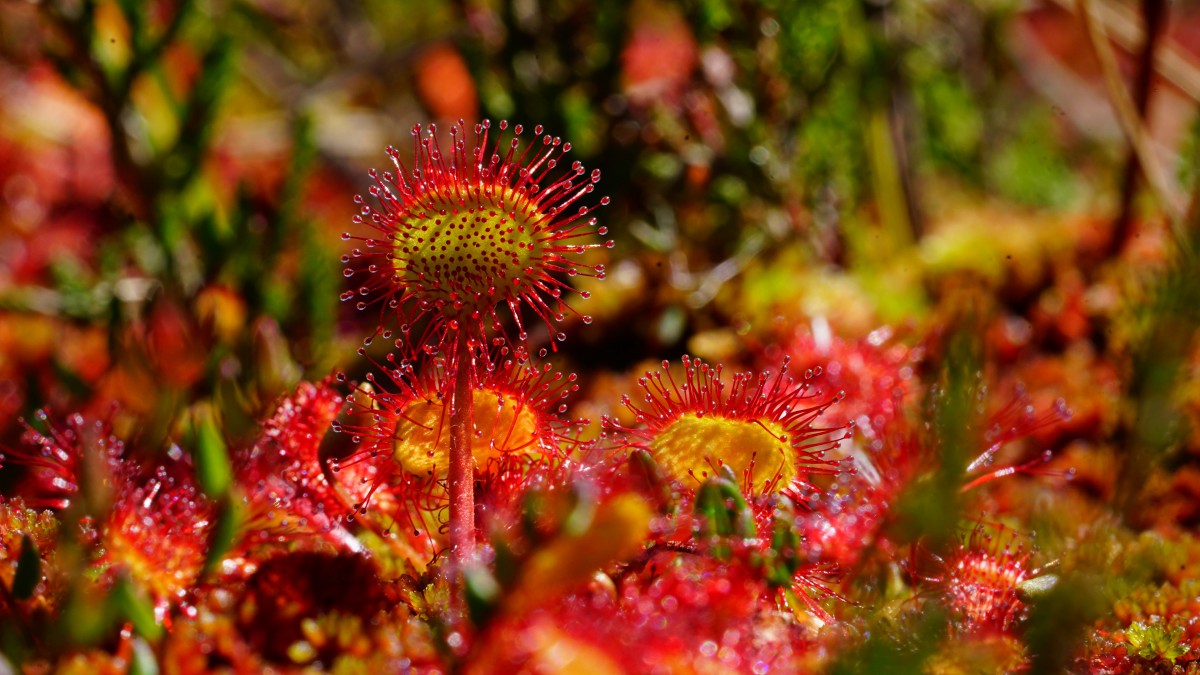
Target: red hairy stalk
(461,476)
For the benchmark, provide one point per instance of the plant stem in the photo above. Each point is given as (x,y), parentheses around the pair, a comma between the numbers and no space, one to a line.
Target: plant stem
(461,474)
(1127,115)
(1154,14)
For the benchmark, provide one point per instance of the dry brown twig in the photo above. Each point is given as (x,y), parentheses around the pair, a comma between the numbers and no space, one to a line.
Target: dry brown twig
(1157,176)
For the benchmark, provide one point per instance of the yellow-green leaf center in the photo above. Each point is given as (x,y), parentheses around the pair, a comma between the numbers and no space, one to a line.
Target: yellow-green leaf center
(459,248)
(694,446)
(421,441)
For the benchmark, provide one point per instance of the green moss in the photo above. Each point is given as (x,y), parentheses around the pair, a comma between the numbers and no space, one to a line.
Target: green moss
(1152,641)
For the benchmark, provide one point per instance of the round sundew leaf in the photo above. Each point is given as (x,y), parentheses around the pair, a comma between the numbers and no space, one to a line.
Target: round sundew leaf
(470,250)
(758,430)
(478,226)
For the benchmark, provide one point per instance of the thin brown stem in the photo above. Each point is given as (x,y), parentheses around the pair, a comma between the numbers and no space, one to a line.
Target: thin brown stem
(1154,13)
(1131,124)
(461,474)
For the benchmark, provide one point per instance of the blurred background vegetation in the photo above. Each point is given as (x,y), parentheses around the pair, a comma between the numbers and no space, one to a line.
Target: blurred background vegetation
(176,173)
(175,176)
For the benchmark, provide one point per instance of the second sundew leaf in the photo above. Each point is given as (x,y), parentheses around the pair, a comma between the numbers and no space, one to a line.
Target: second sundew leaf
(616,533)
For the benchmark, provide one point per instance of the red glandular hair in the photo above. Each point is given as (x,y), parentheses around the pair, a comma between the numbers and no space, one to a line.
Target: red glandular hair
(691,614)
(51,460)
(978,582)
(158,531)
(474,226)
(156,528)
(880,391)
(888,451)
(981,579)
(876,374)
(281,472)
(1015,420)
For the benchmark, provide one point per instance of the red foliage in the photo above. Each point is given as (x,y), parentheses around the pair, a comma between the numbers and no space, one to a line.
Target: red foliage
(282,473)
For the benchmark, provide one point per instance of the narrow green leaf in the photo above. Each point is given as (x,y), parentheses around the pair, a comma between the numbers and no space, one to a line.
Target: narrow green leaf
(213,470)
(483,594)
(136,609)
(710,507)
(143,662)
(785,546)
(740,516)
(86,619)
(224,532)
(29,569)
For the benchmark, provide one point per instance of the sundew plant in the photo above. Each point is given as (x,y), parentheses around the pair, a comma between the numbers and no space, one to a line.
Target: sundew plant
(459,235)
(630,337)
